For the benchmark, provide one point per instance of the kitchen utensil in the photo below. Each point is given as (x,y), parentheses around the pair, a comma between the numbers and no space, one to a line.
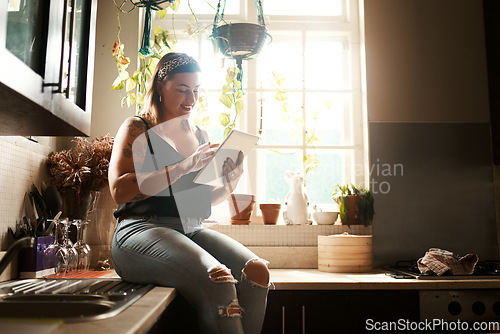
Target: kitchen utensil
(28,227)
(41,208)
(29,212)
(43,187)
(49,229)
(53,200)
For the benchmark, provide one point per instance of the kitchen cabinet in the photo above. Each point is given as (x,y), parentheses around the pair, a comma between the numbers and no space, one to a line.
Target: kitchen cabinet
(342,311)
(46,67)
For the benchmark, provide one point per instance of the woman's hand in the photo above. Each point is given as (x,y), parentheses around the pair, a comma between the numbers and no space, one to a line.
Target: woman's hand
(232,171)
(198,159)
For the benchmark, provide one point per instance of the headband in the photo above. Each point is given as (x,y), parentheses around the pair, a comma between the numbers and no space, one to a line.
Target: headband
(170,65)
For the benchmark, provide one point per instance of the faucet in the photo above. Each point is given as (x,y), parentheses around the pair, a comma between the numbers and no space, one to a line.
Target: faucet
(27,242)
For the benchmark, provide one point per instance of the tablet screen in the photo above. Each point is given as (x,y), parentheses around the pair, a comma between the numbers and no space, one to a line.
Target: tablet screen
(237,141)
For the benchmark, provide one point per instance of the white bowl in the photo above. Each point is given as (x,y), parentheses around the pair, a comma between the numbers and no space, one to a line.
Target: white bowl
(325,217)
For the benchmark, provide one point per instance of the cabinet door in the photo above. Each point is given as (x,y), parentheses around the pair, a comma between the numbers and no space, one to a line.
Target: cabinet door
(46,66)
(283,313)
(355,311)
(337,311)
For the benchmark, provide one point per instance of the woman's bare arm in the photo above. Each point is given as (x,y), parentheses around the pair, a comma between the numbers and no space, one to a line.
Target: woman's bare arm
(130,144)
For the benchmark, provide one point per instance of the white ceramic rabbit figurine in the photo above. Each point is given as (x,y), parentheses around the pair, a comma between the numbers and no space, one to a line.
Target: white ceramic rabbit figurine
(296,202)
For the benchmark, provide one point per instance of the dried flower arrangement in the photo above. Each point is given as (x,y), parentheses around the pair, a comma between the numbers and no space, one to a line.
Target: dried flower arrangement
(82,168)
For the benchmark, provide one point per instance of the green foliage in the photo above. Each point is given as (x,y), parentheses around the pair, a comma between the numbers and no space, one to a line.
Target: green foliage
(365,209)
(231,96)
(311,161)
(136,86)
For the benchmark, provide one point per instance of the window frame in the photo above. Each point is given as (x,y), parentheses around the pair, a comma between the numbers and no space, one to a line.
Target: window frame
(349,26)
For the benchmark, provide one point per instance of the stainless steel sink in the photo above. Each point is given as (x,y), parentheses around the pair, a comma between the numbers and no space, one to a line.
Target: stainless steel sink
(73,300)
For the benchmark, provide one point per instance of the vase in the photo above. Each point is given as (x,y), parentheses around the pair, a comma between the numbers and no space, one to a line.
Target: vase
(77,204)
(240,208)
(270,213)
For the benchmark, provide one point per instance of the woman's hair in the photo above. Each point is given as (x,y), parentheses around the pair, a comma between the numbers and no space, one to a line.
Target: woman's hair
(168,65)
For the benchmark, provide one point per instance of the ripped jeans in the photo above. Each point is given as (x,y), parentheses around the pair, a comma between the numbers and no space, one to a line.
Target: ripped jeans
(200,266)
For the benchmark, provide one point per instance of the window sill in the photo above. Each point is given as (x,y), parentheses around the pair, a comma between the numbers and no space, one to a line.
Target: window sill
(285,235)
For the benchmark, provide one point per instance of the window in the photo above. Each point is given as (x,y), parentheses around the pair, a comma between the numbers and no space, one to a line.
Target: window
(316,48)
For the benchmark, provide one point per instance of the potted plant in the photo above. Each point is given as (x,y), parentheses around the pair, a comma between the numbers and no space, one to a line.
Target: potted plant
(356,204)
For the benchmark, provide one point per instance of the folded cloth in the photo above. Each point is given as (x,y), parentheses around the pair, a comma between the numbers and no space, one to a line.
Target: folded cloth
(440,261)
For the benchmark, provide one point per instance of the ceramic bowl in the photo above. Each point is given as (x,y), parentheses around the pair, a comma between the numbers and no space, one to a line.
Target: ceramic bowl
(325,217)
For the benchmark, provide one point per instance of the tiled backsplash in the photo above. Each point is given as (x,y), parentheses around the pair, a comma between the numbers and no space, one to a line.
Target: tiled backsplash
(22,163)
(286,235)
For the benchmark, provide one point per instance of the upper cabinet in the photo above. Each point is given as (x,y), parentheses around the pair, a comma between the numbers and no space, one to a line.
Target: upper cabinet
(46,67)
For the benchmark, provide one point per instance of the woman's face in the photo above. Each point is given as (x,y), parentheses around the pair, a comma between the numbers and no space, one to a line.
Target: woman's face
(179,95)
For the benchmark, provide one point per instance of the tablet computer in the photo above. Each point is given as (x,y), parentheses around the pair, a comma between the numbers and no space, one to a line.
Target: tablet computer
(211,174)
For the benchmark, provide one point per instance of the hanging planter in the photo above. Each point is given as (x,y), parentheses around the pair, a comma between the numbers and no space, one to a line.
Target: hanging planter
(145,49)
(239,41)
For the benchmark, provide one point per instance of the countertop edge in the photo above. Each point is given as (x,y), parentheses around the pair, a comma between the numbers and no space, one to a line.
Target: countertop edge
(138,318)
(313,279)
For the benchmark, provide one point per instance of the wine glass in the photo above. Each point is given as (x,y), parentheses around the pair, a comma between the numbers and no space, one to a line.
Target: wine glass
(82,248)
(55,255)
(66,243)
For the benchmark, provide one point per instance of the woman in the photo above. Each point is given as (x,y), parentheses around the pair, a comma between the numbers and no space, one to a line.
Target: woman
(159,238)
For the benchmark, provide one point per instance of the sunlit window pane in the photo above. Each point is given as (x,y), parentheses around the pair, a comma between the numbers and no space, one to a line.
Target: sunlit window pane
(282,56)
(326,62)
(281,127)
(208,7)
(330,171)
(328,118)
(273,185)
(302,8)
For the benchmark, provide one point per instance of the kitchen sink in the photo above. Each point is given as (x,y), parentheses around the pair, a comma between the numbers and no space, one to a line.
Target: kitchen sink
(73,300)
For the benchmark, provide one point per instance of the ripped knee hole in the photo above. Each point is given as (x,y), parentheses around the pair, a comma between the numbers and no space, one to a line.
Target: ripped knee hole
(220,274)
(232,310)
(257,272)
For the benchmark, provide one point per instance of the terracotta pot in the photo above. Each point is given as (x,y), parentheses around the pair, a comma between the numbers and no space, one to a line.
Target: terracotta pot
(241,207)
(270,213)
(351,210)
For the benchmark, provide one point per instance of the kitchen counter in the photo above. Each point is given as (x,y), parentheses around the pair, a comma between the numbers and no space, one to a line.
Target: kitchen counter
(139,317)
(313,279)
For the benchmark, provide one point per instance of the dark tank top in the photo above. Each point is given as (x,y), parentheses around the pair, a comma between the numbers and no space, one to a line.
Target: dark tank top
(183,198)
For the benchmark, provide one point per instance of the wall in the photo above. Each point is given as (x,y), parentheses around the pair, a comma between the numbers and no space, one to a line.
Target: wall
(107,112)
(429,132)
(22,164)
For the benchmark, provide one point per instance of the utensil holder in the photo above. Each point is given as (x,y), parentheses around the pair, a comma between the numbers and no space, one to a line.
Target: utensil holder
(30,260)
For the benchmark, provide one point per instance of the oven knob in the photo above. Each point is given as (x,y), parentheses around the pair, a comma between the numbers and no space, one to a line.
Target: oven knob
(454,308)
(496,308)
(478,308)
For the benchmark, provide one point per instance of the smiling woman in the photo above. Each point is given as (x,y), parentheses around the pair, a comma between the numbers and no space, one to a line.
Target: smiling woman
(159,238)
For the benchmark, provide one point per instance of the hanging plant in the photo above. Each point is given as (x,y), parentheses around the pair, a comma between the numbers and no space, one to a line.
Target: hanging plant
(237,41)
(137,84)
(232,95)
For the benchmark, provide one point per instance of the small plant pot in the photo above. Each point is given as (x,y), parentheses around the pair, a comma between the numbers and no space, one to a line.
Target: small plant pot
(240,208)
(352,209)
(270,213)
